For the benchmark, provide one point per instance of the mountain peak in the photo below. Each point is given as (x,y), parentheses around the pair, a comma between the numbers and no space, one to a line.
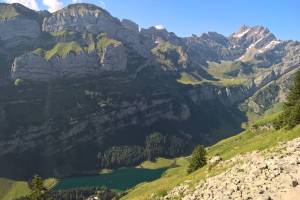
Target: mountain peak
(81,8)
(246,31)
(13,10)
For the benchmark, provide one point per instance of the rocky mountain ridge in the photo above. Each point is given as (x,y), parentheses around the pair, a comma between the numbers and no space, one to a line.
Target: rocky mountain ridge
(78,81)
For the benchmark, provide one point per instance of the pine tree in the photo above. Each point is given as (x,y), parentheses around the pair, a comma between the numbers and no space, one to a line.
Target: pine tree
(294,95)
(291,114)
(37,188)
(198,158)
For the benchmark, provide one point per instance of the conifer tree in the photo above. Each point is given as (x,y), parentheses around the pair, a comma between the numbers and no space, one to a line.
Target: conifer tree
(291,114)
(198,158)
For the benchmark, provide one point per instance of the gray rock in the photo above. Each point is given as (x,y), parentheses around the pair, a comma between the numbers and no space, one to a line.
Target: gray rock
(19,27)
(251,177)
(18,21)
(82,18)
(130,25)
(114,58)
(35,67)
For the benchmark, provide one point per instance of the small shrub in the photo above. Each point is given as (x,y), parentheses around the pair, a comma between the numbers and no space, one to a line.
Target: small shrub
(18,82)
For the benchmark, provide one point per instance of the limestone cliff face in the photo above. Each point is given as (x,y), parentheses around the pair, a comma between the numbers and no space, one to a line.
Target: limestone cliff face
(18,27)
(229,96)
(89,18)
(32,67)
(74,65)
(82,18)
(18,21)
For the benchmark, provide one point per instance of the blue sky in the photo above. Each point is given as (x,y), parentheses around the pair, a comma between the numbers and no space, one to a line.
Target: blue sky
(186,17)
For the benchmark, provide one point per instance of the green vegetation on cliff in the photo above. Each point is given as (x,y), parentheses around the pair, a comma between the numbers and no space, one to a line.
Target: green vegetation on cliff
(188,79)
(71,42)
(168,54)
(63,49)
(8,11)
(104,41)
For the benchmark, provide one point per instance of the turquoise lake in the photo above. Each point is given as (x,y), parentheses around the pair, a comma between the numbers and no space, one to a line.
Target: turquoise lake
(121,179)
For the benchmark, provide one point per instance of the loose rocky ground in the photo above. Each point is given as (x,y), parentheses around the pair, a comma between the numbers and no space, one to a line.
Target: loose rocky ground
(266,175)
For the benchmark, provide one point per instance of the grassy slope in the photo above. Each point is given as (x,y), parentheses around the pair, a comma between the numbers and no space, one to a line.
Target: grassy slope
(239,144)
(7,12)
(186,78)
(63,49)
(13,189)
(159,163)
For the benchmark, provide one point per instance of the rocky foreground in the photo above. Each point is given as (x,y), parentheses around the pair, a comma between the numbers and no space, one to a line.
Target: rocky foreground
(272,175)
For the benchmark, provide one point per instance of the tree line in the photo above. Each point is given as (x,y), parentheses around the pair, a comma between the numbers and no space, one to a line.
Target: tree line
(156,145)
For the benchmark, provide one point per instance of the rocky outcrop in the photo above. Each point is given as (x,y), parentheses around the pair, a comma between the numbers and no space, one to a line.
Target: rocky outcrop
(89,18)
(19,27)
(32,67)
(130,25)
(82,18)
(18,21)
(257,175)
(248,37)
(74,65)
(227,95)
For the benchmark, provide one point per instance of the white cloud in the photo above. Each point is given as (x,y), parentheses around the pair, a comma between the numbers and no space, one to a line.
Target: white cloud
(76,1)
(102,3)
(53,5)
(159,27)
(32,4)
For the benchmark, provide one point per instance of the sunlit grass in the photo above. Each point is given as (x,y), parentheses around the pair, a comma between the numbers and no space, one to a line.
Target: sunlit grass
(245,142)
(188,79)
(158,163)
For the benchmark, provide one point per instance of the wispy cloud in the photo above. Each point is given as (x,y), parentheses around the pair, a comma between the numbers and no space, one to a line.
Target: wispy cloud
(102,3)
(53,5)
(159,27)
(76,1)
(32,4)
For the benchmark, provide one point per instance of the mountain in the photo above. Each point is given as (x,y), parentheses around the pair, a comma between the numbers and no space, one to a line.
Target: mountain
(80,88)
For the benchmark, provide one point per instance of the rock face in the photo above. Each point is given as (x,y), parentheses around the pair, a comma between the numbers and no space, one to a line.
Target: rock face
(18,21)
(256,36)
(273,176)
(32,67)
(89,18)
(114,58)
(74,65)
(82,18)
(130,25)
(19,27)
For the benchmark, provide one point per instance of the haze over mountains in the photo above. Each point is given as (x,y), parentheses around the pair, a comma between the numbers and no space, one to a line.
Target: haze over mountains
(79,87)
